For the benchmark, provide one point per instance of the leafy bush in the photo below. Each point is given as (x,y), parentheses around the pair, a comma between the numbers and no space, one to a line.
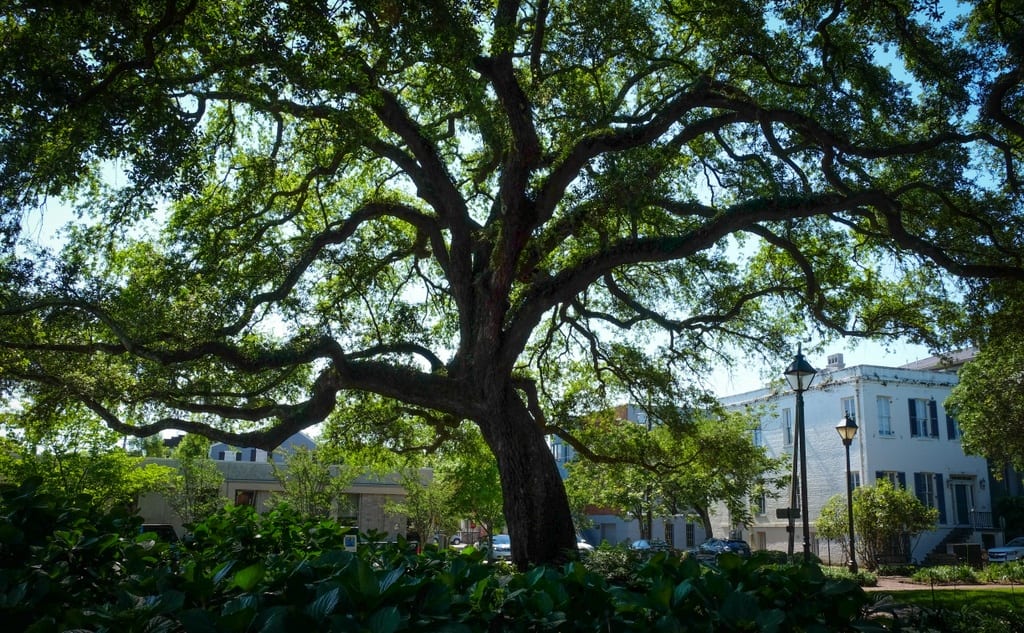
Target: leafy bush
(897,570)
(970,618)
(862,578)
(946,574)
(64,568)
(1011,572)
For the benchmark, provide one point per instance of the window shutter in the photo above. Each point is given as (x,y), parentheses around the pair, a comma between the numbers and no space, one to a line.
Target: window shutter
(950,427)
(933,415)
(913,417)
(940,497)
(902,477)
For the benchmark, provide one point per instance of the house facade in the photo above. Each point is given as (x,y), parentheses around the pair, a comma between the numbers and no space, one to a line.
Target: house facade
(905,436)
(249,479)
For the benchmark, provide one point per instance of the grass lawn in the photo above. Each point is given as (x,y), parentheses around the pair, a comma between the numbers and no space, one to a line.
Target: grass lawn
(947,597)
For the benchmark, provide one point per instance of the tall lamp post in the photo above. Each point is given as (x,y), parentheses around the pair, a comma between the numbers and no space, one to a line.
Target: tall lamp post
(847,429)
(800,375)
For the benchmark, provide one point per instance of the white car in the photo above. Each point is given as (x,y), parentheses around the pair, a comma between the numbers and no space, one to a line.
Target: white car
(583,546)
(1014,550)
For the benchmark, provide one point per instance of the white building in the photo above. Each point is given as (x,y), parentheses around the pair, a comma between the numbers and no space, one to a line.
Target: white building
(905,435)
(222,452)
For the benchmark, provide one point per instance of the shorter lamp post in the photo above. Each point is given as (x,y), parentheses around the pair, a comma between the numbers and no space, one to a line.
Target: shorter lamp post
(847,429)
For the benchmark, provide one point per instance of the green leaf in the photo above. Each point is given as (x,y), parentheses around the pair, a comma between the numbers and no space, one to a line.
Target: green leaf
(390,578)
(247,579)
(384,620)
(324,604)
(273,620)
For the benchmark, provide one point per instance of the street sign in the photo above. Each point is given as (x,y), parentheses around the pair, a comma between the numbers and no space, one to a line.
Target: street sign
(787,513)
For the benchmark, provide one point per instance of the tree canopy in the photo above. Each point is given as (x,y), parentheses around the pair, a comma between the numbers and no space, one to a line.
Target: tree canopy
(988,402)
(383,215)
(662,471)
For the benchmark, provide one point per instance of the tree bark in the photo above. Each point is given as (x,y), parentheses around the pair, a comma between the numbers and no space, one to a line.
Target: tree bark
(536,507)
(705,518)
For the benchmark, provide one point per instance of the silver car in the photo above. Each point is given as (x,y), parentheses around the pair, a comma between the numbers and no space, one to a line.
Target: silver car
(1014,550)
(501,546)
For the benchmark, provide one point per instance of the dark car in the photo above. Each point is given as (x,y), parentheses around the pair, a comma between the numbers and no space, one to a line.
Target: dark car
(714,547)
(163,531)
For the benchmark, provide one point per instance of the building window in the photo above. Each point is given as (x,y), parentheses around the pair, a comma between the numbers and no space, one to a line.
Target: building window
(924,417)
(758,436)
(787,427)
(238,456)
(245,497)
(849,407)
(896,478)
(760,503)
(884,416)
(691,535)
(928,488)
(855,476)
(220,455)
(252,454)
(760,541)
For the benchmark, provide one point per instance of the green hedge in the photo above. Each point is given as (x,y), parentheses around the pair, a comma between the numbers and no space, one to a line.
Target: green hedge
(67,568)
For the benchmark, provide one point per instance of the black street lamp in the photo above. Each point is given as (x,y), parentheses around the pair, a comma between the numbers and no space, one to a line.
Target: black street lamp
(847,429)
(800,375)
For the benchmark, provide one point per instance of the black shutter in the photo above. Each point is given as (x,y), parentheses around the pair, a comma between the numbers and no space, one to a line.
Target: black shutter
(913,417)
(902,478)
(940,498)
(950,427)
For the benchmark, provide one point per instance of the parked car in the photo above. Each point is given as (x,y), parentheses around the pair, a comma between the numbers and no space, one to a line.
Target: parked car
(501,546)
(162,531)
(1014,550)
(714,547)
(583,546)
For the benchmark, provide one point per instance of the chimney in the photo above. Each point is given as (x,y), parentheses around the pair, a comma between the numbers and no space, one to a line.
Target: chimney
(835,362)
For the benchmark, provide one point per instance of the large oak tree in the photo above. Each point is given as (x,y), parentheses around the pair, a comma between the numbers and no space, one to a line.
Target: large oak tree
(384,214)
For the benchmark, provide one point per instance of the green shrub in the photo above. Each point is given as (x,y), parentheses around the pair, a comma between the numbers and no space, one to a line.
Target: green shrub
(967,619)
(862,578)
(64,568)
(1011,572)
(897,570)
(946,574)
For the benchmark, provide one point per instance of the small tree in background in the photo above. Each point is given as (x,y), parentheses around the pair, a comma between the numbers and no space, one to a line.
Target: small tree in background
(884,520)
(196,491)
(470,472)
(427,505)
(311,485)
(74,455)
(679,465)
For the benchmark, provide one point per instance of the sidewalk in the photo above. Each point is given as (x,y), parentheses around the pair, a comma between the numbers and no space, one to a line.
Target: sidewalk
(901,583)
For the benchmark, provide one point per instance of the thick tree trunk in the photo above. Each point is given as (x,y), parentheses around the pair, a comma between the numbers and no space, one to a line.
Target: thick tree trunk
(536,507)
(705,518)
